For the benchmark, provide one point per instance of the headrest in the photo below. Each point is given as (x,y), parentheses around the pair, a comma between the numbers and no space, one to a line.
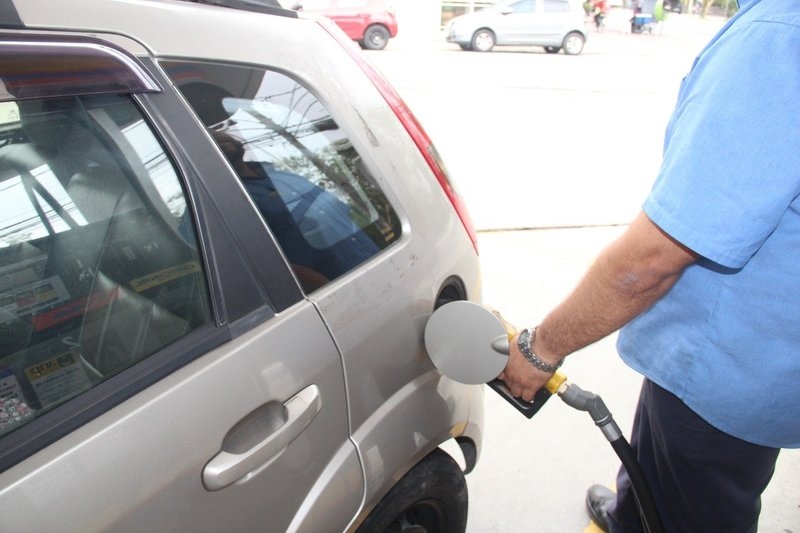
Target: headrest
(47,123)
(207,101)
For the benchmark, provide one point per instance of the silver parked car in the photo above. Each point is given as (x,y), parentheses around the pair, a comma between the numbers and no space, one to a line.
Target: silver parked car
(221,236)
(553,24)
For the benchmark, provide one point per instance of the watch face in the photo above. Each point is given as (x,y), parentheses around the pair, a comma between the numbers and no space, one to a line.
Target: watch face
(524,338)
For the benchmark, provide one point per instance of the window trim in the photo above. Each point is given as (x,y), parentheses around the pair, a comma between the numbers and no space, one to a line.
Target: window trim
(94,67)
(231,258)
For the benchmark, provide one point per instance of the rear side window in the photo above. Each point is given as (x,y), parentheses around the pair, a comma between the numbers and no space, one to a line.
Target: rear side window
(557,6)
(523,6)
(300,169)
(99,265)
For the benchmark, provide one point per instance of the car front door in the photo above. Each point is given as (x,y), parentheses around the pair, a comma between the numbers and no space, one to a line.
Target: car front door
(160,368)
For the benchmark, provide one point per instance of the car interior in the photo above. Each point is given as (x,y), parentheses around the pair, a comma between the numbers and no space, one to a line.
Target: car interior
(96,271)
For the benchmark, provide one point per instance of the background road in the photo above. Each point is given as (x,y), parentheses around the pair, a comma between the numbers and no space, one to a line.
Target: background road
(540,140)
(553,155)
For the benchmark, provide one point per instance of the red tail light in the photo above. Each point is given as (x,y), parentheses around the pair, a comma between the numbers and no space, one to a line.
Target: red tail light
(411,124)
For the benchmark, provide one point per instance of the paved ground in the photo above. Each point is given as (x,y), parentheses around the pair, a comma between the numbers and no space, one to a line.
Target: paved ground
(539,141)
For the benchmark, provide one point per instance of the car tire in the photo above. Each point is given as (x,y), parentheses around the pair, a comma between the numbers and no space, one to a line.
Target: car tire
(375,38)
(465,47)
(431,497)
(552,49)
(573,43)
(483,40)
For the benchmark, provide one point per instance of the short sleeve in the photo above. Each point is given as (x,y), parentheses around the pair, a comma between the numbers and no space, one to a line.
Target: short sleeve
(732,152)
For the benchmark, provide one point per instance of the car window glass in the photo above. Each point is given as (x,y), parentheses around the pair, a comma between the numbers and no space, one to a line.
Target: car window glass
(302,172)
(99,265)
(556,6)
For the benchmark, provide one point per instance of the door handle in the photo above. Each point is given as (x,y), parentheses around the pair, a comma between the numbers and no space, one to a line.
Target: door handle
(260,437)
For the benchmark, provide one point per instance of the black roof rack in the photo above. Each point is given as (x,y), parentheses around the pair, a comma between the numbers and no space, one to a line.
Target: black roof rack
(271,7)
(9,18)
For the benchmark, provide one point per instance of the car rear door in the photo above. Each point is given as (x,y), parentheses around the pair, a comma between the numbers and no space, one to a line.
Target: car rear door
(555,19)
(161,370)
(517,25)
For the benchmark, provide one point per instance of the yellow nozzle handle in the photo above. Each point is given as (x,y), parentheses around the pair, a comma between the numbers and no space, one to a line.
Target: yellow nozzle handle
(555,382)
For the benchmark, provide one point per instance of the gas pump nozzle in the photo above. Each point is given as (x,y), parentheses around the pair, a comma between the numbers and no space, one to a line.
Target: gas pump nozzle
(501,344)
(470,344)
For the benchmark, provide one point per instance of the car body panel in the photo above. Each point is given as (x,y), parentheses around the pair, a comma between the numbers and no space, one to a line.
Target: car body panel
(376,412)
(152,481)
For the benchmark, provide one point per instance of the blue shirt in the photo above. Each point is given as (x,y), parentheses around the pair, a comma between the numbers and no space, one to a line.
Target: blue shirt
(726,337)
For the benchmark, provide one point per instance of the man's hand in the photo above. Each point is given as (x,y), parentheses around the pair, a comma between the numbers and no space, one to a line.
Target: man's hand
(520,376)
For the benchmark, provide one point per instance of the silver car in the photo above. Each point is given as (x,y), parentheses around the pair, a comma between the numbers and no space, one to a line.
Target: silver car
(221,236)
(553,24)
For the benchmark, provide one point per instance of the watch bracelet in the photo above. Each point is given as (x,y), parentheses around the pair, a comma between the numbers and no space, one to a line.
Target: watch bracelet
(525,343)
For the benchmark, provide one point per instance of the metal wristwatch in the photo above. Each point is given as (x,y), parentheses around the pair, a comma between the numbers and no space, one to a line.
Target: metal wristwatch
(525,343)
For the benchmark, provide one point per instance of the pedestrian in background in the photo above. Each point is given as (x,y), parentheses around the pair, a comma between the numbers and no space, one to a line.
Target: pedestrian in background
(704,284)
(600,11)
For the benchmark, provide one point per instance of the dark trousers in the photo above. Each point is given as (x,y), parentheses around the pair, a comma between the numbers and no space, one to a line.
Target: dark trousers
(702,479)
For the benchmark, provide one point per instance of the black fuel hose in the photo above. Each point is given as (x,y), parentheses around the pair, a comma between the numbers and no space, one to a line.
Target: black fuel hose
(582,400)
(641,490)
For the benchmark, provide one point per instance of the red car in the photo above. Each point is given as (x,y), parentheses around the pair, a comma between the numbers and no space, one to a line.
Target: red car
(369,22)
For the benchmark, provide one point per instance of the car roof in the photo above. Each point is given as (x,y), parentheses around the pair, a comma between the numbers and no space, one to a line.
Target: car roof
(219,31)
(10,17)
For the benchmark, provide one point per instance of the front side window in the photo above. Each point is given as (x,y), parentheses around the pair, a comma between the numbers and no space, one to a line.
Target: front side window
(98,259)
(300,169)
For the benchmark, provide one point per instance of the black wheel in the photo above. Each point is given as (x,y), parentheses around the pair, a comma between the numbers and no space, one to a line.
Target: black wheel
(552,49)
(375,38)
(430,498)
(573,43)
(483,40)
(465,47)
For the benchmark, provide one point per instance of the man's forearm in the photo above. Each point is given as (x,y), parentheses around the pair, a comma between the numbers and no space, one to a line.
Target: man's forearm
(625,280)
